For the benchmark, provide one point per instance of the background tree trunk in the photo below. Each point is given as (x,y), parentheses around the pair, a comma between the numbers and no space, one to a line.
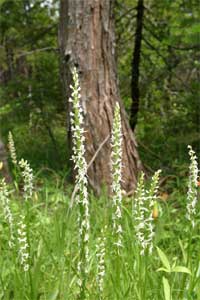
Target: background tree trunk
(135,91)
(87,41)
(3,158)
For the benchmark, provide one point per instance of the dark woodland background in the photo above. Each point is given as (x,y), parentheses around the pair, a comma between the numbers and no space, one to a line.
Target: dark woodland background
(158,59)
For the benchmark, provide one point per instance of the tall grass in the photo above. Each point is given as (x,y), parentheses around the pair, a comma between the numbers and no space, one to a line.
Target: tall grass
(54,252)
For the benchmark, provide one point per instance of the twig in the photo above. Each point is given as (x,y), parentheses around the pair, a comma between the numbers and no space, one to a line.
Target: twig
(37,50)
(149,150)
(186,48)
(126,13)
(88,166)
(164,179)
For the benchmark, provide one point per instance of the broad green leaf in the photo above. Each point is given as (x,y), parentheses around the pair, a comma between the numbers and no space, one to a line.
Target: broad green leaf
(174,263)
(54,294)
(72,281)
(195,28)
(164,259)
(180,269)
(167,290)
(2,2)
(183,251)
(164,270)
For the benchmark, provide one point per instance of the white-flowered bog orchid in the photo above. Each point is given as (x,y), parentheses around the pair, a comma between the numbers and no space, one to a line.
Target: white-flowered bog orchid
(5,200)
(23,244)
(80,167)
(192,187)
(27,174)
(11,147)
(142,213)
(116,171)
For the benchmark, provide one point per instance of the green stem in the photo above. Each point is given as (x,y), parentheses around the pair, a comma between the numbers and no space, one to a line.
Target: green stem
(187,263)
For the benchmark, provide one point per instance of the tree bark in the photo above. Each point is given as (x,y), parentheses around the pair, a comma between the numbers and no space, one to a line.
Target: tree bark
(3,159)
(87,41)
(135,91)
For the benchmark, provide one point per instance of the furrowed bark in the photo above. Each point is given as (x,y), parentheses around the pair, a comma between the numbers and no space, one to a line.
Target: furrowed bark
(87,41)
(4,167)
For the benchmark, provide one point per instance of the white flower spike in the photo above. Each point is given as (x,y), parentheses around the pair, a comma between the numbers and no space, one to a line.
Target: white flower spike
(80,166)
(192,187)
(116,170)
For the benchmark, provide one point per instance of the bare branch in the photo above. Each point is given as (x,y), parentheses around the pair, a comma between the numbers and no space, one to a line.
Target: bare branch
(193,47)
(89,165)
(37,50)
(127,12)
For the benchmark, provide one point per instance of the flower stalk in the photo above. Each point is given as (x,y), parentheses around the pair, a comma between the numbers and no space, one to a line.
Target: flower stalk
(23,244)
(11,147)
(143,206)
(27,174)
(192,187)
(80,166)
(116,171)
(4,198)
(100,254)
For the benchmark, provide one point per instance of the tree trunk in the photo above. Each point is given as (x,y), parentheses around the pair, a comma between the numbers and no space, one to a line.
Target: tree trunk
(87,41)
(135,92)
(4,170)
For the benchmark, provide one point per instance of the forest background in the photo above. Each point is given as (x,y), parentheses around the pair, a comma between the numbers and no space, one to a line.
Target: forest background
(32,105)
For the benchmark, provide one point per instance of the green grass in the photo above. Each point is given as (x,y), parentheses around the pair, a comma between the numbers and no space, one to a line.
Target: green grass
(53,238)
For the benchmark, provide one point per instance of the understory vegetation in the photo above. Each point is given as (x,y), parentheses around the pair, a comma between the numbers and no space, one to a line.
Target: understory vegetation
(32,104)
(52,237)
